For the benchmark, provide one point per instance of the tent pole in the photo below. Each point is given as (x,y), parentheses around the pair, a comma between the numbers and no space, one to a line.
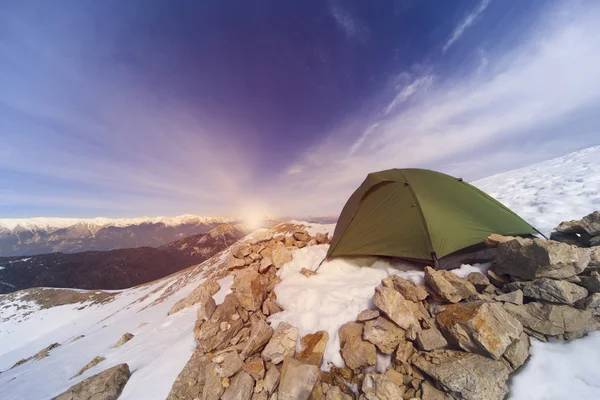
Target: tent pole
(436,263)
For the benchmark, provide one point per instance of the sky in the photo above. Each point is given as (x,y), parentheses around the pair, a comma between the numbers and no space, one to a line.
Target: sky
(145,107)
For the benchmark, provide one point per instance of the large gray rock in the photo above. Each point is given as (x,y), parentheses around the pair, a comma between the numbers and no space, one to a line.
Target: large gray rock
(466,375)
(380,387)
(282,344)
(591,223)
(515,297)
(107,385)
(210,335)
(259,336)
(517,353)
(241,387)
(396,307)
(355,351)
(450,287)
(189,383)
(384,334)
(408,289)
(595,257)
(536,258)
(297,380)
(483,328)
(591,303)
(591,283)
(554,291)
(553,319)
(431,339)
(200,295)
(248,288)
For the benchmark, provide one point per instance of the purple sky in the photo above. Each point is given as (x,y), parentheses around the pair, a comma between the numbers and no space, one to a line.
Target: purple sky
(142,107)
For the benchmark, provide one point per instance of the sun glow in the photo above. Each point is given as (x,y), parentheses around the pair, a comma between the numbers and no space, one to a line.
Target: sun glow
(254,216)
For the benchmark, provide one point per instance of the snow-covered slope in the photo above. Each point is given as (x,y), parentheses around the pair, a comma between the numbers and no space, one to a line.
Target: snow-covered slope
(561,189)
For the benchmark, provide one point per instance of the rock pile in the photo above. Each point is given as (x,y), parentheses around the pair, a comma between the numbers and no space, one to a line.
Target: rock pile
(584,232)
(450,338)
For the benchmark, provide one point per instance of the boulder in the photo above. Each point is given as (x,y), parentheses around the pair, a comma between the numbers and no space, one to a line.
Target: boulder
(201,295)
(210,335)
(552,319)
(450,287)
(189,383)
(301,236)
(384,334)
(408,289)
(106,385)
(297,380)
(355,351)
(595,241)
(335,393)
(431,339)
(367,314)
(271,380)
(537,258)
(591,283)
(395,376)
(430,392)
(466,375)
(280,255)
(479,280)
(483,328)
(321,238)
(95,361)
(551,290)
(260,334)
(595,257)
(240,388)
(282,344)
(496,279)
(591,303)
(229,365)
(380,387)
(396,307)
(494,239)
(234,263)
(313,346)
(568,238)
(515,297)
(518,351)
(265,264)
(591,223)
(270,307)
(255,367)
(124,339)
(249,290)
(213,388)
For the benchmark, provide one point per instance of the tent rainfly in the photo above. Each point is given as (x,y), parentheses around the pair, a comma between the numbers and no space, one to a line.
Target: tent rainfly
(421,215)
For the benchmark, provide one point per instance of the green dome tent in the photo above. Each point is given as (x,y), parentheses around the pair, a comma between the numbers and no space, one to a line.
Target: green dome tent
(421,215)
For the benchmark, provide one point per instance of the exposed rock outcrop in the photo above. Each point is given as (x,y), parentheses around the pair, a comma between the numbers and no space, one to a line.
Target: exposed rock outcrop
(297,380)
(106,385)
(551,290)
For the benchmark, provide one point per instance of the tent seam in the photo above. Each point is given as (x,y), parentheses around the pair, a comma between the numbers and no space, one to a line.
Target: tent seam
(420,210)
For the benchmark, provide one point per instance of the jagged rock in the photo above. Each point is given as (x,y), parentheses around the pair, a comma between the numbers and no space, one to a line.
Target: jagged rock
(213,388)
(297,380)
(484,328)
(591,303)
(321,238)
(589,224)
(515,297)
(37,356)
(189,383)
(255,367)
(395,376)
(106,385)
(496,279)
(282,344)
(231,363)
(380,387)
(494,239)
(450,287)
(518,351)
(307,272)
(97,360)
(396,307)
(568,238)
(595,257)
(595,241)
(591,283)
(466,375)
(479,280)
(210,336)
(124,339)
(200,295)
(408,289)
(430,392)
(384,334)
(367,314)
(259,336)
(234,263)
(301,236)
(551,290)
(355,351)
(404,351)
(265,264)
(335,393)
(431,339)
(270,307)
(271,380)
(552,319)
(259,395)
(280,255)
(537,258)
(241,387)
(248,288)
(313,348)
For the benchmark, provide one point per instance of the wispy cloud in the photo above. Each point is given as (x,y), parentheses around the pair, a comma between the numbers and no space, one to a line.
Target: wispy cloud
(463,25)
(353,26)
(545,90)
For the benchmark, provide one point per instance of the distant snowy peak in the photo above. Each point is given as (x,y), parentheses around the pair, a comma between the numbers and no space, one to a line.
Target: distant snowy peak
(49,224)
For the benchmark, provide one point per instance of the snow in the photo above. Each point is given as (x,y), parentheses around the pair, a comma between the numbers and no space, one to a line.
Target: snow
(50,224)
(341,289)
(550,192)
